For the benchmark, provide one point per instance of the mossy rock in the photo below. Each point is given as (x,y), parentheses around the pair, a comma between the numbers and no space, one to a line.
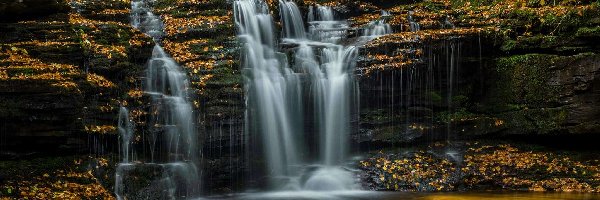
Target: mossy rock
(588,32)
(531,43)
(539,121)
(27,9)
(524,79)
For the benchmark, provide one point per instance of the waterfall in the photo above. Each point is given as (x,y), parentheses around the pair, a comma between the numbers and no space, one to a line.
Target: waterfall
(125,129)
(378,27)
(273,87)
(171,117)
(323,27)
(414,25)
(323,13)
(293,26)
(338,63)
(276,89)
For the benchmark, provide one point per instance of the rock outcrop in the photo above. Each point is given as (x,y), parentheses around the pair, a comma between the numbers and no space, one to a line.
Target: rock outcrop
(474,69)
(64,74)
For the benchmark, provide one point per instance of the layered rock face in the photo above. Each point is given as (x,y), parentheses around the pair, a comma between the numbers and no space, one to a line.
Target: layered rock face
(64,72)
(456,70)
(12,10)
(450,70)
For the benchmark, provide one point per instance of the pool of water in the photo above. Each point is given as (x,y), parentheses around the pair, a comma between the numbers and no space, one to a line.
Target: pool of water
(360,195)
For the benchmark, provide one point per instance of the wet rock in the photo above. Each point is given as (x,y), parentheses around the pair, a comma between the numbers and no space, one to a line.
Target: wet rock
(479,165)
(62,75)
(12,10)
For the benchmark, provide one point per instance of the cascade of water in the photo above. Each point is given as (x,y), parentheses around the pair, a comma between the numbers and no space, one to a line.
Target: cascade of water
(448,23)
(271,85)
(293,26)
(171,116)
(378,27)
(337,61)
(125,128)
(311,14)
(323,13)
(274,88)
(323,27)
(142,18)
(414,25)
(385,13)
(167,85)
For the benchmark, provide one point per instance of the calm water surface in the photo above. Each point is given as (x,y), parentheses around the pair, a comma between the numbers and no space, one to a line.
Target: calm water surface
(360,195)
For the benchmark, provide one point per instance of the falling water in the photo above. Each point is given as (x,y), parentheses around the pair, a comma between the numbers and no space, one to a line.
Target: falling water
(125,128)
(323,13)
(320,69)
(323,26)
(270,85)
(170,117)
(414,25)
(378,27)
(143,19)
(290,15)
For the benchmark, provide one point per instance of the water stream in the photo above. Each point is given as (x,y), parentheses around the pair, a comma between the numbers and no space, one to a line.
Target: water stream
(302,79)
(171,133)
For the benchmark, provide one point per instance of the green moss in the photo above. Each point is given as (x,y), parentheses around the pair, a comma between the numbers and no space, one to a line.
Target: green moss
(205,5)
(539,41)
(388,133)
(523,14)
(588,32)
(508,45)
(523,80)
(459,100)
(376,116)
(542,121)
(435,97)
(450,116)
(214,12)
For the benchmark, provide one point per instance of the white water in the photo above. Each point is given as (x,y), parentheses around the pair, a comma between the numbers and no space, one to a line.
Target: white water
(125,129)
(323,26)
(170,117)
(378,27)
(274,88)
(413,24)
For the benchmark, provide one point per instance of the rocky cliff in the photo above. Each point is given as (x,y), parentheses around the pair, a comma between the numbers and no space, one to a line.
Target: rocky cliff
(64,72)
(473,68)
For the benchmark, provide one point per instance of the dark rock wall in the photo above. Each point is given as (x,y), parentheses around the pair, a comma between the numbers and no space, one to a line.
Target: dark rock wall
(11,10)
(528,71)
(64,73)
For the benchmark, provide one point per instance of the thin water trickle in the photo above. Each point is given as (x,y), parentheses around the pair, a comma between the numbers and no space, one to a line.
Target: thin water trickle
(125,128)
(414,25)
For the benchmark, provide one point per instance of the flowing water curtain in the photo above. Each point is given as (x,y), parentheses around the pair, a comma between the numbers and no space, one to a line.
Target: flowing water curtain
(173,140)
(276,89)
(272,88)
